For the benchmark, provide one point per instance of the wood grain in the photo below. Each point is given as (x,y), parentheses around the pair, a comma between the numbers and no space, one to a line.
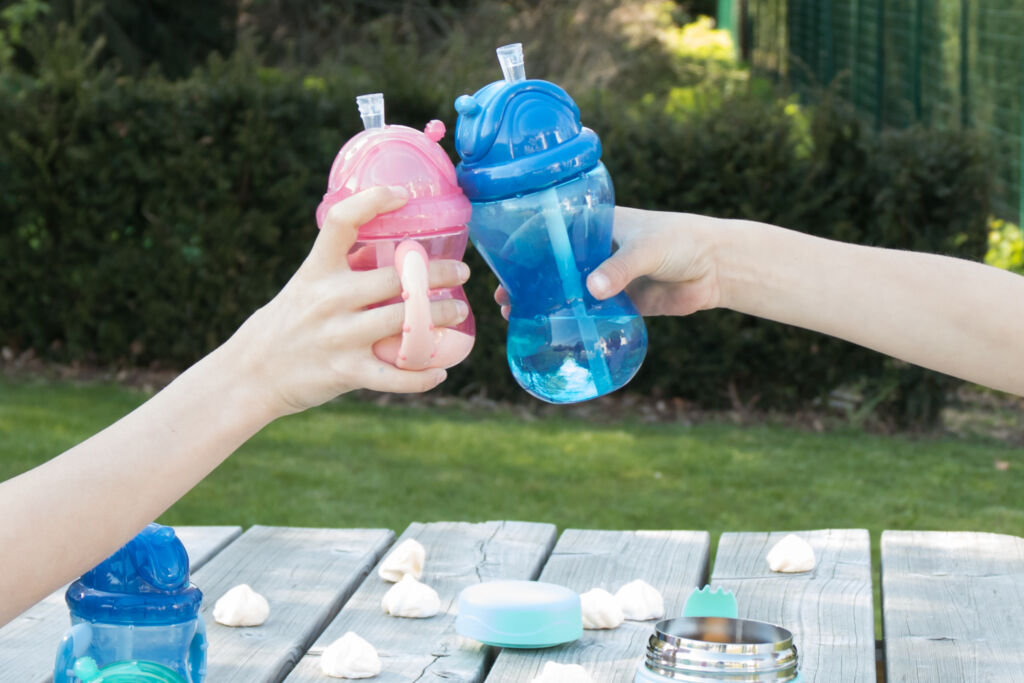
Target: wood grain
(305,574)
(458,555)
(674,562)
(829,610)
(28,644)
(953,606)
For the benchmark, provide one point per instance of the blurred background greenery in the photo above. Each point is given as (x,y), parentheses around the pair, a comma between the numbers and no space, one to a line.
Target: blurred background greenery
(162,161)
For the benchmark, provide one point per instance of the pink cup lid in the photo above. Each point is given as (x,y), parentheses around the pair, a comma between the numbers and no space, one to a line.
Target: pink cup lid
(398,155)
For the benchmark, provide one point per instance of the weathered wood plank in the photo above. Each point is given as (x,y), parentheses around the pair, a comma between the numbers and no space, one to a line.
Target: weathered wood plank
(829,610)
(953,606)
(458,555)
(305,574)
(203,542)
(674,562)
(28,645)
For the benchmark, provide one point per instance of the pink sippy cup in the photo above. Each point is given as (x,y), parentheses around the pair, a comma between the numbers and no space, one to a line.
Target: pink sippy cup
(431,225)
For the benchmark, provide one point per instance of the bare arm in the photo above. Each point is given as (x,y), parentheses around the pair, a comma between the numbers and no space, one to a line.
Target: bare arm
(312,342)
(958,317)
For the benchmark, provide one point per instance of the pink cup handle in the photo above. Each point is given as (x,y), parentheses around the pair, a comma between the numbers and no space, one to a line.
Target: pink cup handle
(417,348)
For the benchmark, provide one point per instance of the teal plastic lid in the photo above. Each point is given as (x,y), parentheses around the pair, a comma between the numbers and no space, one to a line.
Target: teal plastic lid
(125,672)
(519,614)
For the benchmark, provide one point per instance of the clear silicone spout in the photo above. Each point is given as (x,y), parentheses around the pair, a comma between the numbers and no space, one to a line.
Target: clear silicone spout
(511,59)
(371,109)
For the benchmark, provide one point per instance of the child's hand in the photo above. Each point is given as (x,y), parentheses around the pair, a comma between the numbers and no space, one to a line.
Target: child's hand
(314,340)
(664,262)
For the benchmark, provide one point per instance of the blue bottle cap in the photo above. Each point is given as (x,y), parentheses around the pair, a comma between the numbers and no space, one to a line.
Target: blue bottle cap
(145,582)
(519,614)
(519,136)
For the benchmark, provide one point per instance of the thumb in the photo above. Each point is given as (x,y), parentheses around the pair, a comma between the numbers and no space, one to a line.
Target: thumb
(341,226)
(625,265)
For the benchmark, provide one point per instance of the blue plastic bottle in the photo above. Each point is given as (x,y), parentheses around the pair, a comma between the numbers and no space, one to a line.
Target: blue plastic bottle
(135,617)
(543,205)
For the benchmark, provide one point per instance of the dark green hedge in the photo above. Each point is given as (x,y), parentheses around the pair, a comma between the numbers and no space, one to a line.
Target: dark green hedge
(143,220)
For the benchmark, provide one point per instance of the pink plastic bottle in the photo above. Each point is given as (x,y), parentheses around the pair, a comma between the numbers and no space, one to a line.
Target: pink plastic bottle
(431,225)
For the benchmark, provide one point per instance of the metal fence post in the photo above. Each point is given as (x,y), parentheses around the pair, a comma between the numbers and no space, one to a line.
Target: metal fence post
(880,69)
(916,85)
(726,19)
(1020,159)
(965,36)
(855,54)
(828,70)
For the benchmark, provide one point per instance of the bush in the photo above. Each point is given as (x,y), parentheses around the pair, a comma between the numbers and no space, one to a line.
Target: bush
(145,219)
(820,172)
(1005,246)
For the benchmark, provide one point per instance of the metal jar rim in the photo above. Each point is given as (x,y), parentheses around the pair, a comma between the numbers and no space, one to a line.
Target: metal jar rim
(721,649)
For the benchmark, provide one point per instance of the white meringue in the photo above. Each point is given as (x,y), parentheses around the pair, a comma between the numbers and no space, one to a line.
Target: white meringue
(792,554)
(553,672)
(408,557)
(640,601)
(600,609)
(350,657)
(410,598)
(241,606)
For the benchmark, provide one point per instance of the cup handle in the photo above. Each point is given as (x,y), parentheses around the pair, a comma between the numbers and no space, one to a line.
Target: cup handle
(197,653)
(417,348)
(75,644)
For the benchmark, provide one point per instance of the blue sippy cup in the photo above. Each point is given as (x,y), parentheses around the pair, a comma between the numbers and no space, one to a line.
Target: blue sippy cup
(135,617)
(543,205)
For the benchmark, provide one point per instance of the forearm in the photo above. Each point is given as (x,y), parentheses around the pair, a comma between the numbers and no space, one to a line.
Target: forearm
(958,317)
(67,515)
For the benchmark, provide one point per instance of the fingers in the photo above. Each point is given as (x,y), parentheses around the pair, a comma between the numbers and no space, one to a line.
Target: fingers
(631,261)
(378,323)
(369,287)
(341,225)
(447,273)
(502,299)
(381,376)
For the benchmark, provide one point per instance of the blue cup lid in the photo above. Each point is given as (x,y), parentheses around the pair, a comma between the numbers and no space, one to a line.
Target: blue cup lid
(519,614)
(144,582)
(517,136)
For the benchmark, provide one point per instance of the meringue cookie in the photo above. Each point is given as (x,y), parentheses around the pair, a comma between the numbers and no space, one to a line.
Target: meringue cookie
(410,598)
(407,558)
(792,554)
(600,609)
(350,657)
(553,672)
(640,601)
(241,606)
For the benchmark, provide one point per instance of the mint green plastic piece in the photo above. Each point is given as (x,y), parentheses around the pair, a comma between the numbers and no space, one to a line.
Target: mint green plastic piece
(519,614)
(703,602)
(133,671)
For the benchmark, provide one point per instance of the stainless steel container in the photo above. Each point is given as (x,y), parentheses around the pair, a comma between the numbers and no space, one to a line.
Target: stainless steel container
(705,649)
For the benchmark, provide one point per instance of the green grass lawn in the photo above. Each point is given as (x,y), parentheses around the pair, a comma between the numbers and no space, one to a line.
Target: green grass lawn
(356,464)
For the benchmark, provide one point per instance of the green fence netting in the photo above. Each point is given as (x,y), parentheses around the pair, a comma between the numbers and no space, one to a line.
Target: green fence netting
(941,63)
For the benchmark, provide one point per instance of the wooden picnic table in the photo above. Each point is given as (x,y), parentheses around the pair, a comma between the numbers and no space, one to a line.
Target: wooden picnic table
(952,609)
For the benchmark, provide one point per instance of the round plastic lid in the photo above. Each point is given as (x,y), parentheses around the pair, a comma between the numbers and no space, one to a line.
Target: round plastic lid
(397,155)
(519,614)
(125,672)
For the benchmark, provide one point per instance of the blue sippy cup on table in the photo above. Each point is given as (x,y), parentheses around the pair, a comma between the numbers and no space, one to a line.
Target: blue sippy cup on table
(135,617)
(543,207)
